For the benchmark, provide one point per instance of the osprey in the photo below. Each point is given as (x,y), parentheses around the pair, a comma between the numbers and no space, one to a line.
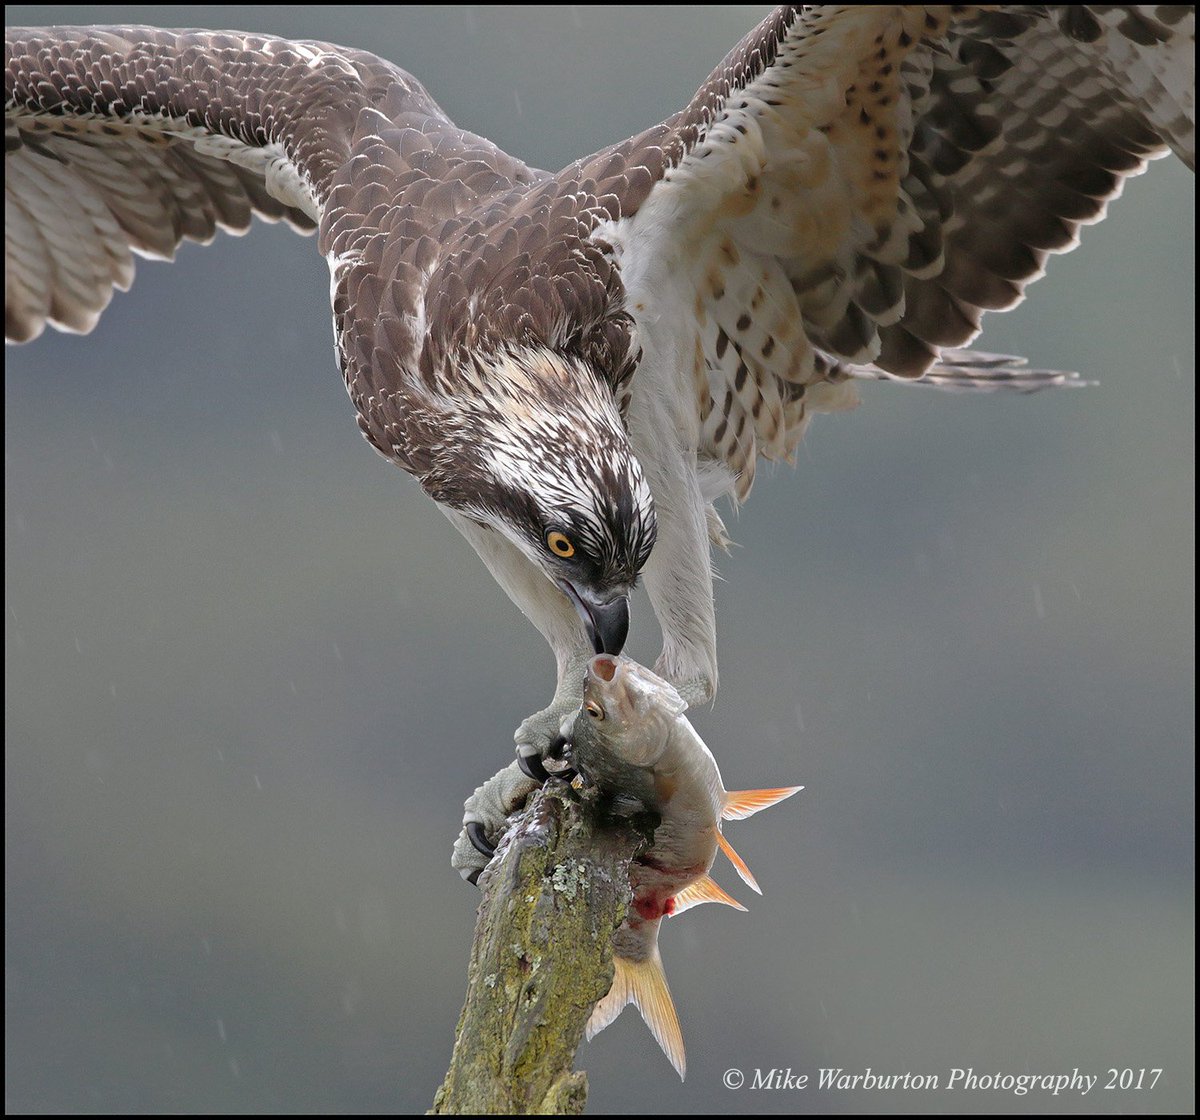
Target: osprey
(576,366)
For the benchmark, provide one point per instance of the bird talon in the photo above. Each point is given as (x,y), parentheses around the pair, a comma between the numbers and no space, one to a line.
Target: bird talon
(531,766)
(479,842)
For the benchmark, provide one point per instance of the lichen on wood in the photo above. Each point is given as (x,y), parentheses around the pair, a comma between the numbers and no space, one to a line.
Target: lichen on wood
(541,957)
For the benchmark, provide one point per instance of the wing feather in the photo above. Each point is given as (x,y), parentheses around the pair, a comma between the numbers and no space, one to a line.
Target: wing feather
(854,186)
(131,140)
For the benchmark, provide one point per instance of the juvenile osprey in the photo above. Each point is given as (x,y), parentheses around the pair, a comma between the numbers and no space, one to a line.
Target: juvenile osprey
(577,365)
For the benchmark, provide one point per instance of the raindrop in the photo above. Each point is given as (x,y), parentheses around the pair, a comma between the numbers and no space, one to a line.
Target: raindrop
(221,1030)
(1038,606)
(276,442)
(517,99)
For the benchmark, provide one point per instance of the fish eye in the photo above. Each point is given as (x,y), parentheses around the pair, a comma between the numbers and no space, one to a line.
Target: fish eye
(560,544)
(594,710)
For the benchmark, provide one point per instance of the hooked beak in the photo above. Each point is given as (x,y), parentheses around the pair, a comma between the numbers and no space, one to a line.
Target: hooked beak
(607,622)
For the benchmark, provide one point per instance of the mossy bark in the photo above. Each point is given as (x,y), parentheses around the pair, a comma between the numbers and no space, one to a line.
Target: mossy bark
(541,958)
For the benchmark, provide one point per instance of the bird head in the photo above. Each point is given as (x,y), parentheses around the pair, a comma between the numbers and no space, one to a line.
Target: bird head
(536,451)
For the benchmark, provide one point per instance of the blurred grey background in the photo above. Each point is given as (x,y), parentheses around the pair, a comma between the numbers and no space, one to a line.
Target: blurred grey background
(252,673)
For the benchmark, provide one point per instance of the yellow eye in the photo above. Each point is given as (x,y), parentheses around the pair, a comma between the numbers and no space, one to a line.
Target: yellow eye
(559,544)
(594,710)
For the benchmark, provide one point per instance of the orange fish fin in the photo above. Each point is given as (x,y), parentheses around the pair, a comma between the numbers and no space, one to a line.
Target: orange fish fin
(644,984)
(746,802)
(738,863)
(704,889)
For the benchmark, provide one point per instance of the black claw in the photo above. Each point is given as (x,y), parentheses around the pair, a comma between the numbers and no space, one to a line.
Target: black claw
(531,766)
(473,878)
(479,840)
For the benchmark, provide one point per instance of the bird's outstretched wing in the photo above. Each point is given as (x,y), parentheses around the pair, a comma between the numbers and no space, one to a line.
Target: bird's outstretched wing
(854,186)
(128,140)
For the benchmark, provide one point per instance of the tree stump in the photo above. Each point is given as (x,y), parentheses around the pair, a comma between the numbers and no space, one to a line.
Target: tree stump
(542,956)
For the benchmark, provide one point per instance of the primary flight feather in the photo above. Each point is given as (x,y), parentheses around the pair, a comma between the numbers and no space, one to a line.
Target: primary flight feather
(576,366)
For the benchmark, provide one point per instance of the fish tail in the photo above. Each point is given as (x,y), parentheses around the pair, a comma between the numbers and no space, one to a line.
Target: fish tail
(644,984)
(744,803)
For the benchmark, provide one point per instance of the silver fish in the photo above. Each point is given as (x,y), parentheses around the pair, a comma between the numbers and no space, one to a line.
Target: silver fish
(631,739)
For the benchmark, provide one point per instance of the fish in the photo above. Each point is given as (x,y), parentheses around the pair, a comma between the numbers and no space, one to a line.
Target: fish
(631,739)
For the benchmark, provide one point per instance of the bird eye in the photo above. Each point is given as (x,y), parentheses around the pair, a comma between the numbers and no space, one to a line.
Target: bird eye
(594,710)
(559,544)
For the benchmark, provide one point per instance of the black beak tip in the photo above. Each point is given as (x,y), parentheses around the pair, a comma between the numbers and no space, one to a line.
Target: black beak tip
(610,626)
(607,623)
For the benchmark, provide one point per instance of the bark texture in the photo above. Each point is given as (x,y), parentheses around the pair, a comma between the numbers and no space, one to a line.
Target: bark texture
(542,956)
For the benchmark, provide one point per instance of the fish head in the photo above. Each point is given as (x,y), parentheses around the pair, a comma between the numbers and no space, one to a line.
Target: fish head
(631,710)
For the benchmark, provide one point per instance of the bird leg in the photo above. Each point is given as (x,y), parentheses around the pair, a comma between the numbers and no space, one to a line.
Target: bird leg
(540,748)
(549,609)
(537,735)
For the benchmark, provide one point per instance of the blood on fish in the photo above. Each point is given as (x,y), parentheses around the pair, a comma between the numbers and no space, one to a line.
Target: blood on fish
(651,907)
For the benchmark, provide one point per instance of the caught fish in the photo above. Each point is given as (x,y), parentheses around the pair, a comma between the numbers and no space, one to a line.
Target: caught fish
(631,739)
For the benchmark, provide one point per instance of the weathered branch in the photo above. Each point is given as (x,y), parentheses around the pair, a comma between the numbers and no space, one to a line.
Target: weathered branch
(542,956)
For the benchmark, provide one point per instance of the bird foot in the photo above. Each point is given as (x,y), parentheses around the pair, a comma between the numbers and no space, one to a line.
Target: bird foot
(485,817)
(541,736)
(541,742)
